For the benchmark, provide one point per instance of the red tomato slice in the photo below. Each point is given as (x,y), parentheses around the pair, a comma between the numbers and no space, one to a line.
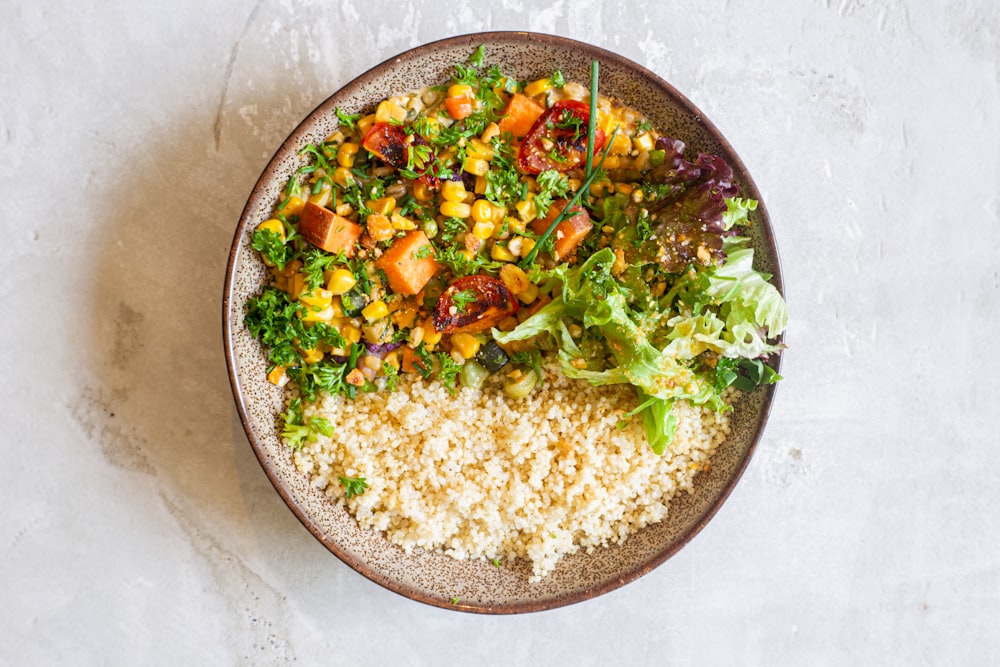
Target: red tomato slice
(558,139)
(392,144)
(473,304)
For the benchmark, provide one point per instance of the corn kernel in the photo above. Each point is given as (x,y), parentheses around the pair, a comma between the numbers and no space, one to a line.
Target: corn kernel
(275,226)
(483,211)
(476,166)
(389,111)
(480,185)
(383,205)
(335,138)
(402,223)
(526,245)
(373,362)
(342,176)
(341,281)
(344,209)
(431,335)
(376,310)
(454,209)
(453,191)
(466,344)
(293,206)
(365,124)
(515,279)
(277,376)
(478,148)
(538,87)
(317,299)
(622,144)
(483,230)
(526,209)
(313,356)
(528,295)
(612,162)
(461,90)
(351,333)
(392,360)
(501,254)
(492,130)
(469,254)
(599,188)
(346,154)
(422,192)
(644,142)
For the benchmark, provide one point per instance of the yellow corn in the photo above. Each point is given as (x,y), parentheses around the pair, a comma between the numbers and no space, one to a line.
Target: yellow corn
(526,209)
(341,281)
(483,230)
(528,295)
(599,188)
(384,205)
(621,146)
(312,356)
(480,185)
(422,192)
(344,209)
(389,111)
(624,188)
(492,130)
(392,359)
(294,206)
(526,245)
(401,223)
(644,142)
(335,138)
(376,310)
(273,225)
(483,211)
(515,279)
(453,209)
(478,148)
(346,154)
(453,191)
(365,124)
(342,176)
(461,90)
(500,253)
(317,299)
(612,162)
(538,87)
(431,335)
(277,376)
(351,333)
(325,194)
(466,344)
(476,166)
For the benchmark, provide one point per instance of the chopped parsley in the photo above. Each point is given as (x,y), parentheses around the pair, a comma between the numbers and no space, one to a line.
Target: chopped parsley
(353,486)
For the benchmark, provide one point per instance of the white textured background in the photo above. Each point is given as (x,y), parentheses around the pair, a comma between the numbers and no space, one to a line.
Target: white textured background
(137,528)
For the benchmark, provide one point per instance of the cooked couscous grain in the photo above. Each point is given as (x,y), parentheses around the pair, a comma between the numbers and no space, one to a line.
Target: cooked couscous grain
(481,475)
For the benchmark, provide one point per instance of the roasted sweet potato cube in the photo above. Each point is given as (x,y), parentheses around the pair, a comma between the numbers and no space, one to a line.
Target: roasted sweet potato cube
(327,230)
(409,263)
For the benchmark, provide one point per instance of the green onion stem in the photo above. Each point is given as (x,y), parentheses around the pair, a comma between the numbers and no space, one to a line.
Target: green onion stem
(584,187)
(592,122)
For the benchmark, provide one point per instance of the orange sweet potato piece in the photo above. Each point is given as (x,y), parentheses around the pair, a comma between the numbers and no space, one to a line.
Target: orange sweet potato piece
(409,263)
(327,230)
(520,114)
(570,232)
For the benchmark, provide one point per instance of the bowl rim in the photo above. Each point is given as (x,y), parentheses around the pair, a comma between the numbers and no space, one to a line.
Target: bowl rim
(472,40)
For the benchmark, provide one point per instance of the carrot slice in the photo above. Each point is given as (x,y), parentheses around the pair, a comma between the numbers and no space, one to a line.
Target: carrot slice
(409,263)
(327,230)
(520,114)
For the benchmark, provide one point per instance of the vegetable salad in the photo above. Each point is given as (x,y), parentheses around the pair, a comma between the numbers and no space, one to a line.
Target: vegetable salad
(467,231)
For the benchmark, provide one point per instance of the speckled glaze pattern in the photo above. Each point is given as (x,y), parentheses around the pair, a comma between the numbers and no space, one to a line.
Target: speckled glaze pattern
(430,577)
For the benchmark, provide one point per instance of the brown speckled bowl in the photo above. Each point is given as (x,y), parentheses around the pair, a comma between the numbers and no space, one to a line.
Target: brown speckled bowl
(429,577)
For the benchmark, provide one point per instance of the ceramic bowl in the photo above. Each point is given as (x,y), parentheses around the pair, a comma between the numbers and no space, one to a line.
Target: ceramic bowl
(433,578)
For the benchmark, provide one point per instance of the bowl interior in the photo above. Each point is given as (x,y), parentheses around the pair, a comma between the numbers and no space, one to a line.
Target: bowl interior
(429,577)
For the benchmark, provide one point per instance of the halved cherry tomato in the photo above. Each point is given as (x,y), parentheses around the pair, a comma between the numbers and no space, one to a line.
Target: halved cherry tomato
(558,139)
(473,304)
(392,144)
